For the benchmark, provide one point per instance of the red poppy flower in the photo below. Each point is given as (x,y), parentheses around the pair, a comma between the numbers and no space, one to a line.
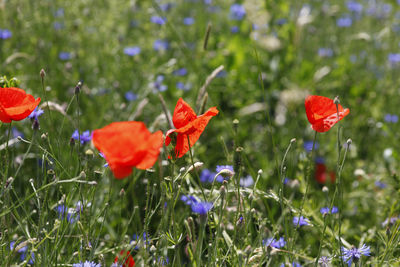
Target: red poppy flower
(188,126)
(321,173)
(15,104)
(128,259)
(128,144)
(322,113)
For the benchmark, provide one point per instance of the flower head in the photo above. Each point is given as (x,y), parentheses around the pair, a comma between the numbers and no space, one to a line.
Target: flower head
(327,210)
(158,20)
(123,152)
(188,125)
(300,221)
(5,34)
(85,137)
(86,264)
(126,258)
(322,113)
(354,254)
(228,172)
(15,104)
(36,113)
(280,243)
(237,11)
(22,252)
(132,50)
(201,207)
(207,176)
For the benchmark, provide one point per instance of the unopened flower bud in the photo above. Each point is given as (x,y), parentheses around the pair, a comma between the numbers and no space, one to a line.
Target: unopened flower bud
(349,141)
(122,192)
(293,140)
(78,88)
(325,189)
(42,73)
(336,101)
(72,142)
(44,136)
(260,171)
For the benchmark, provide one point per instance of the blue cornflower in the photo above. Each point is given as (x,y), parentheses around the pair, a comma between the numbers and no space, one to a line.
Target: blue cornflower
(58,25)
(393,118)
(72,215)
(86,264)
(237,11)
(64,55)
(344,22)
(160,45)
(130,96)
(59,13)
(158,20)
(227,168)
(207,176)
(201,207)
(390,221)
(85,137)
(16,133)
(300,221)
(281,21)
(354,254)
(5,34)
(380,184)
(137,238)
(22,252)
(188,21)
(324,261)
(354,6)
(188,200)
(325,52)
(132,50)
(165,7)
(184,87)
(326,210)
(394,58)
(296,264)
(36,113)
(158,85)
(319,160)
(234,29)
(180,72)
(308,145)
(280,243)
(246,181)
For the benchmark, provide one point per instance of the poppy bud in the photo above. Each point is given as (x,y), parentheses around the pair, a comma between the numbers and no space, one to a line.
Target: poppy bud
(78,88)
(42,73)
(72,142)
(325,189)
(44,136)
(260,172)
(336,100)
(349,141)
(293,140)
(122,192)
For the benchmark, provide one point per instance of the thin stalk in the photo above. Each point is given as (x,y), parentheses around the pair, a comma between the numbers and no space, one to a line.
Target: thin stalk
(307,177)
(195,170)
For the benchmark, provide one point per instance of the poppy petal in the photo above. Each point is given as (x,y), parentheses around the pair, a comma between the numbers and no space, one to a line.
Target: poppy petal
(322,112)
(155,143)
(15,104)
(183,114)
(126,145)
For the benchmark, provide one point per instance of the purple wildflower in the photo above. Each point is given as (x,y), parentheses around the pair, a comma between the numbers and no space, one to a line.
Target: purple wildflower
(160,45)
(5,34)
(132,50)
(300,221)
(180,72)
(354,254)
(86,264)
(64,55)
(344,22)
(201,207)
(237,11)
(188,21)
(36,113)
(229,168)
(207,176)
(280,243)
(130,96)
(158,20)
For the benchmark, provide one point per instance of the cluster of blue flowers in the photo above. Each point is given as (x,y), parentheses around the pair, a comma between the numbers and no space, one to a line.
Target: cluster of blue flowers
(280,243)
(327,210)
(300,221)
(86,264)
(22,252)
(72,214)
(85,137)
(208,176)
(199,207)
